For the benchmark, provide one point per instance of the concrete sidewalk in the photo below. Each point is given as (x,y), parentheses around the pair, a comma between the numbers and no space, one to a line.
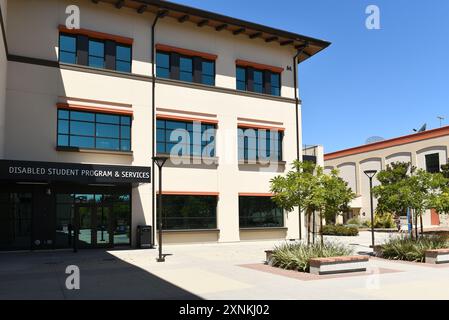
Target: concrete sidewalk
(209,271)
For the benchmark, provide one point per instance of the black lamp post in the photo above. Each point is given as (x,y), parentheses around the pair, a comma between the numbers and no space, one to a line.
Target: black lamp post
(160,161)
(370,174)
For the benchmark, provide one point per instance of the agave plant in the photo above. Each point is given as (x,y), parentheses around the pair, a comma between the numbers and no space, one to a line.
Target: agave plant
(411,250)
(296,256)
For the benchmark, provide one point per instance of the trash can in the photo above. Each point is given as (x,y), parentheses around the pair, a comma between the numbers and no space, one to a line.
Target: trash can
(144,237)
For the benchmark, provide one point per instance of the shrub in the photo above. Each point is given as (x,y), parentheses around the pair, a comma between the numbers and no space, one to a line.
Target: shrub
(339,230)
(385,220)
(296,256)
(411,250)
(366,224)
(354,221)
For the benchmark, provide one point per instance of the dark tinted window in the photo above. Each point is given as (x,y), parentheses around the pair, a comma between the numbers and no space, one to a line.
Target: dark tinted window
(96,54)
(123,58)
(260,144)
(163,65)
(258,81)
(266,82)
(241,79)
(67,49)
(275,84)
(69,45)
(433,163)
(186,69)
(93,131)
(189,212)
(16,217)
(208,72)
(195,138)
(259,212)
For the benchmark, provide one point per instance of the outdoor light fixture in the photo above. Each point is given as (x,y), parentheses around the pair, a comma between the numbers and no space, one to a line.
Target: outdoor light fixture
(160,161)
(370,174)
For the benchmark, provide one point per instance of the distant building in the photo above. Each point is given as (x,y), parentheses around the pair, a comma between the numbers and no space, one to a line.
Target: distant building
(426,150)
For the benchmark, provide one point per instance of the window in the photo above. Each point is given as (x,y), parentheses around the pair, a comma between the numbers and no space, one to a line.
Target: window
(189,212)
(275,84)
(208,72)
(250,79)
(163,65)
(67,49)
(96,53)
(193,137)
(16,210)
(185,68)
(258,81)
(259,212)
(433,163)
(241,79)
(94,130)
(123,58)
(260,144)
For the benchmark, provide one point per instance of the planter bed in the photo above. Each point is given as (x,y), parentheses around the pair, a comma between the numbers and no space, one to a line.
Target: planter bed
(328,265)
(430,249)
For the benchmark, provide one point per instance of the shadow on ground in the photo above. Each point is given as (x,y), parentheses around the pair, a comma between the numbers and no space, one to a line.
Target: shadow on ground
(41,275)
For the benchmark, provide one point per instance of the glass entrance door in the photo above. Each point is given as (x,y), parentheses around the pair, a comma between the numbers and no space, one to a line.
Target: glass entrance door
(93,219)
(84,226)
(94,225)
(103,224)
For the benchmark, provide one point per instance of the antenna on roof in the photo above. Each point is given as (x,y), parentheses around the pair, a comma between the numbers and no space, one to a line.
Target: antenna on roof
(422,129)
(441,118)
(374,139)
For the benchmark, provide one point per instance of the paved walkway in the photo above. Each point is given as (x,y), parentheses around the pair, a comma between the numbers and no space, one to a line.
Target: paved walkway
(209,271)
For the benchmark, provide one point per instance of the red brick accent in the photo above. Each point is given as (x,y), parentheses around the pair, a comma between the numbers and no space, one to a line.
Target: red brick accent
(429,134)
(317,262)
(435,252)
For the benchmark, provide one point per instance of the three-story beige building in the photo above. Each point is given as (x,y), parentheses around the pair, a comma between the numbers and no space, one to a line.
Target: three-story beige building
(84,110)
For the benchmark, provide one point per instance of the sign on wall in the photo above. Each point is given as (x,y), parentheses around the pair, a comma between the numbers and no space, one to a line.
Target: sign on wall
(72,172)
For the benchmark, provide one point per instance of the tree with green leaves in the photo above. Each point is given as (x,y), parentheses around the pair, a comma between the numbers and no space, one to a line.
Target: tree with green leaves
(422,186)
(295,189)
(310,189)
(332,196)
(338,195)
(392,193)
(440,196)
(403,187)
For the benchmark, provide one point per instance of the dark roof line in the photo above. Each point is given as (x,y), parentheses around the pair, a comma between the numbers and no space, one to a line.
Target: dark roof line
(238,22)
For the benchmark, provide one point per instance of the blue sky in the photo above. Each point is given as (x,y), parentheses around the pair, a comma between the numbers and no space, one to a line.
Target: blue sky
(368,82)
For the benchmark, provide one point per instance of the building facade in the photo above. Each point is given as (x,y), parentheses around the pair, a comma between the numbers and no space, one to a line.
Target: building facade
(427,150)
(84,110)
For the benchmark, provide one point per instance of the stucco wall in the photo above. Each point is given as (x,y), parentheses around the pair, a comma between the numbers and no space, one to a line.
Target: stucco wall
(103,17)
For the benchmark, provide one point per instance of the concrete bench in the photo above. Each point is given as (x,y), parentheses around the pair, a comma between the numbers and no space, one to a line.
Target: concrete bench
(269,254)
(437,256)
(333,265)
